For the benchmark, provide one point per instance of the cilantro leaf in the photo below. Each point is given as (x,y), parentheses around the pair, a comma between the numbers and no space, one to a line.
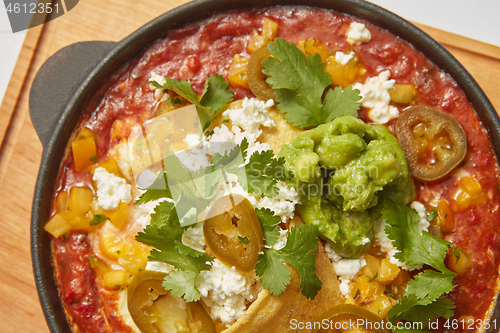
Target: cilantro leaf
(269,223)
(300,252)
(159,189)
(424,296)
(214,97)
(262,172)
(164,234)
(416,248)
(98,219)
(301,83)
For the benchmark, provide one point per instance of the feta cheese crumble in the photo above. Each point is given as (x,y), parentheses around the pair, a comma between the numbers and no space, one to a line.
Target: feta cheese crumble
(282,204)
(343,58)
(358,33)
(111,189)
(226,291)
(345,269)
(375,96)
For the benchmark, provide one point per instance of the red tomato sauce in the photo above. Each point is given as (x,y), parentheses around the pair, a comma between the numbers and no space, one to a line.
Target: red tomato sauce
(207,47)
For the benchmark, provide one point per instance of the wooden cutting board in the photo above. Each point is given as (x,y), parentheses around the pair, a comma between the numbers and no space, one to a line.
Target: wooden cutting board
(21,150)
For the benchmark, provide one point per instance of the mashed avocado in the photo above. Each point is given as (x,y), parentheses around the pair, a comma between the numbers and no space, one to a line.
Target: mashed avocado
(344,170)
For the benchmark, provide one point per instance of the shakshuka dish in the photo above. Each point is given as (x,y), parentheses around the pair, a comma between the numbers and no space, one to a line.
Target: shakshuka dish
(287,169)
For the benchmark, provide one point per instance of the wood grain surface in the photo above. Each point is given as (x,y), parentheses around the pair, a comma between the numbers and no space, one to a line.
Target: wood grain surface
(21,150)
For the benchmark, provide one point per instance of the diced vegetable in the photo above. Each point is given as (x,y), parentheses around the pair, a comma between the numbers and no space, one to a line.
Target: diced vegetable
(115,279)
(367,289)
(118,216)
(470,193)
(344,75)
(371,267)
(112,243)
(237,73)
(57,226)
(444,218)
(110,166)
(77,221)
(84,153)
(80,199)
(231,219)
(458,260)
(62,202)
(269,29)
(135,259)
(380,306)
(434,142)
(313,47)
(387,271)
(402,93)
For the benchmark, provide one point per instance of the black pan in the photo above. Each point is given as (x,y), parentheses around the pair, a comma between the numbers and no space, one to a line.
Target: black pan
(72,77)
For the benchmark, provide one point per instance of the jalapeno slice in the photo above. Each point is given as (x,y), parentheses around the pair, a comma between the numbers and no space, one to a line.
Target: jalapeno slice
(155,311)
(233,232)
(341,316)
(257,79)
(434,142)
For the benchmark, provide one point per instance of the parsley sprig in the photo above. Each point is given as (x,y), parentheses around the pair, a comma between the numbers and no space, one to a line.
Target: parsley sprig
(302,87)
(424,299)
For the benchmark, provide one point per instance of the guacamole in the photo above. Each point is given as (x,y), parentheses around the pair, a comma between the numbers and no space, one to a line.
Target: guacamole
(343,171)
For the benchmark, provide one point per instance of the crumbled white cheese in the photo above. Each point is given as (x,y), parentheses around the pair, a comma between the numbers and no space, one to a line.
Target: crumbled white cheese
(159,266)
(423,223)
(251,116)
(282,204)
(345,269)
(161,80)
(343,58)
(193,140)
(358,33)
(193,237)
(226,291)
(111,189)
(281,242)
(376,97)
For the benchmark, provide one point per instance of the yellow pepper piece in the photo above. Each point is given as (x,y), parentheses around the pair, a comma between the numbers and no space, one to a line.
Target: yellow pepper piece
(344,75)
(80,199)
(237,73)
(387,271)
(57,226)
(312,46)
(115,279)
(77,221)
(84,153)
(269,29)
(135,259)
(380,306)
(470,193)
(110,166)
(118,216)
(111,242)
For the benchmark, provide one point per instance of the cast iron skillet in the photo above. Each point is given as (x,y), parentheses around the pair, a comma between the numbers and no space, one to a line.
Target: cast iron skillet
(72,77)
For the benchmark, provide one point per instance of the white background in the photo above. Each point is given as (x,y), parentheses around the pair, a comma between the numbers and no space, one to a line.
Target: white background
(476,19)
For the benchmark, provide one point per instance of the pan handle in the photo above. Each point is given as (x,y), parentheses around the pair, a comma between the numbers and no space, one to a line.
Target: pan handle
(58,79)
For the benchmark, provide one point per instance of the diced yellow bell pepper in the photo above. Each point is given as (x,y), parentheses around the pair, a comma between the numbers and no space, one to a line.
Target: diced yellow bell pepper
(444,219)
(366,289)
(80,199)
(135,259)
(312,46)
(371,267)
(57,226)
(380,306)
(115,279)
(402,93)
(470,193)
(110,166)
(344,75)
(77,221)
(269,29)
(112,243)
(62,201)
(237,73)
(84,153)
(98,265)
(387,271)
(118,216)
(458,260)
